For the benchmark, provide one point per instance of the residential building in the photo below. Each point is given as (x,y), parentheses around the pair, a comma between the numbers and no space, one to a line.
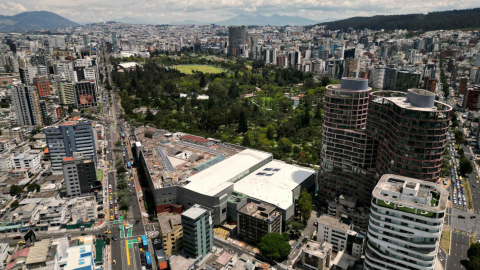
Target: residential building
(83,209)
(257,220)
(69,137)
(463,85)
(54,212)
(27,74)
(6,162)
(406,80)
(6,145)
(430,84)
(347,155)
(406,224)
(43,86)
(85,94)
(28,160)
(171,231)
(316,256)
(26,104)
(471,100)
(339,232)
(197,224)
(79,258)
(80,174)
(65,92)
(379,78)
(411,131)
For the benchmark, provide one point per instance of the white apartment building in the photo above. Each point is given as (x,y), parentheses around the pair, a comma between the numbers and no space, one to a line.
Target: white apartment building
(406,223)
(31,159)
(83,208)
(6,162)
(340,234)
(379,78)
(6,145)
(54,212)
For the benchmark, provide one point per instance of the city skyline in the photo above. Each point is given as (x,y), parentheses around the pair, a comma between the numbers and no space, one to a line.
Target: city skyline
(210,12)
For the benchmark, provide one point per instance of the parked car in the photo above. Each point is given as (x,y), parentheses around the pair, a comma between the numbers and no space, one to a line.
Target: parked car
(461,217)
(17,237)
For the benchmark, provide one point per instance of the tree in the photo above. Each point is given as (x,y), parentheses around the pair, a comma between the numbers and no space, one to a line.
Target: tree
(203,80)
(246,141)
(325,80)
(297,226)
(4,105)
(285,145)
(15,190)
(15,204)
(305,205)
(465,166)
(242,122)
(473,251)
(474,264)
(107,241)
(270,133)
(459,137)
(33,186)
(121,170)
(274,246)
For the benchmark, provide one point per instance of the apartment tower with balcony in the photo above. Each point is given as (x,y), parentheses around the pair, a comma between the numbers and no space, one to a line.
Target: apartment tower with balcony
(406,223)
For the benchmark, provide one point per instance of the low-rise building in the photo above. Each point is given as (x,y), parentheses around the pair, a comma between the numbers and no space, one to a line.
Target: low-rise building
(339,232)
(257,220)
(221,261)
(171,231)
(316,256)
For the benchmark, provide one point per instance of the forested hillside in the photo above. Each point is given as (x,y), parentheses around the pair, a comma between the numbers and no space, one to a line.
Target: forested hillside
(447,20)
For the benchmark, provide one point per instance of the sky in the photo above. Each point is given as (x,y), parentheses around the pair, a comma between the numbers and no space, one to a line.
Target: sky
(168,11)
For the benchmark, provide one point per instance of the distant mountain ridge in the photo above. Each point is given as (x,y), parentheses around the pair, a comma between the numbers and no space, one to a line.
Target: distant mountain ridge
(446,20)
(246,19)
(33,20)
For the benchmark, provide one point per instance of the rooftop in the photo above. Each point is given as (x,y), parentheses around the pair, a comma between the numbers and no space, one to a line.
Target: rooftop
(168,222)
(274,182)
(39,252)
(216,178)
(263,211)
(316,249)
(409,191)
(333,222)
(195,211)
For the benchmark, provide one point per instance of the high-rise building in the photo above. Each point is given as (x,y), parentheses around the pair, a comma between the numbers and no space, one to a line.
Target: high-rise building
(114,42)
(69,137)
(43,86)
(65,92)
(406,223)
(171,231)
(411,130)
(379,78)
(79,173)
(406,80)
(237,37)
(25,102)
(347,157)
(27,74)
(462,89)
(85,94)
(257,220)
(85,40)
(197,224)
(471,101)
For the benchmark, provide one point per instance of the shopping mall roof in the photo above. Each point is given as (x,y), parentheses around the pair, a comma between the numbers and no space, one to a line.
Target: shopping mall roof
(216,178)
(274,182)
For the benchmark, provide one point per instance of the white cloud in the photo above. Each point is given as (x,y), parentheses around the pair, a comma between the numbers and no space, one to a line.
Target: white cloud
(3,6)
(16,7)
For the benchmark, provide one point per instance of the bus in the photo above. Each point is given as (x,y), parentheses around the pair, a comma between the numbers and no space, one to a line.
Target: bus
(148,259)
(129,165)
(144,242)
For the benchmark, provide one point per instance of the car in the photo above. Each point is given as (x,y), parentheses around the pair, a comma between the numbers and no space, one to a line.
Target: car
(114,262)
(17,237)
(21,242)
(137,221)
(472,217)
(299,245)
(110,197)
(464,203)
(107,232)
(83,234)
(114,238)
(116,215)
(139,239)
(113,173)
(111,218)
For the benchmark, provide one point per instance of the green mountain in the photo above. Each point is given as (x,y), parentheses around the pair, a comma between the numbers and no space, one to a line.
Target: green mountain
(446,20)
(33,20)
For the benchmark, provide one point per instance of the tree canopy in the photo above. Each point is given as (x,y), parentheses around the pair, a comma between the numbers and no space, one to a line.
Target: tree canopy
(274,246)
(305,204)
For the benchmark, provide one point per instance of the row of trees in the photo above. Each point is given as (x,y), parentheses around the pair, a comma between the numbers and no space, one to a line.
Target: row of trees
(123,193)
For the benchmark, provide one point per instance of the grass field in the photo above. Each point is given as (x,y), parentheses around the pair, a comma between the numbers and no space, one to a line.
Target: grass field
(445,240)
(187,69)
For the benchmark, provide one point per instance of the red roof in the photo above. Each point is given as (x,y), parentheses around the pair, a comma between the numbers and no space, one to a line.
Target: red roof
(162,265)
(46,151)
(21,253)
(194,139)
(67,158)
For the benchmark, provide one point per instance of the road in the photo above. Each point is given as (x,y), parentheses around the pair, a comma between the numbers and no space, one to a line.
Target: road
(458,252)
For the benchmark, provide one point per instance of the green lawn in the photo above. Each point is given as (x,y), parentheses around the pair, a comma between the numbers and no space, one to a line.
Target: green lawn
(187,69)
(99,175)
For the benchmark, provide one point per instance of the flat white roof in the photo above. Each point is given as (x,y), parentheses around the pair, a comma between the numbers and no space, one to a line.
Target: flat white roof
(274,183)
(76,259)
(213,180)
